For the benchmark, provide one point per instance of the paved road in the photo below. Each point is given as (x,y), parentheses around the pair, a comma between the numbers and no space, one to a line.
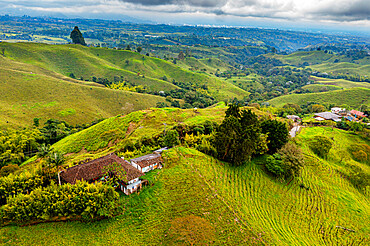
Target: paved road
(294,131)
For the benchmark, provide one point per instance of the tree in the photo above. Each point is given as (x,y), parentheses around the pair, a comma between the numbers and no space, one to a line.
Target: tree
(236,139)
(3,51)
(277,134)
(139,49)
(115,174)
(320,145)
(181,56)
(171,139)
(56,159)
(128,47)
(77,37)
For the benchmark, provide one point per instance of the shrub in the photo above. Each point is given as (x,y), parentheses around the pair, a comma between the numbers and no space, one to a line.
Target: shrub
(320,145)
(19,184)
(274,165)
(86,200)
(6,170)
(286,163)
(172,138)
(360,152)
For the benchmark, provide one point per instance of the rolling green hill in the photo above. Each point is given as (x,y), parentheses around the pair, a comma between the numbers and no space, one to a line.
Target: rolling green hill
(342,83)
(243,205)
(353,97)
(325,62)
(28,91)
(154,73)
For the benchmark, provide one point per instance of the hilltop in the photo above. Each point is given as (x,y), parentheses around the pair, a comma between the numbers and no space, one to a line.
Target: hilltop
(137,69)
(354,97)
(244,205)
(29,91)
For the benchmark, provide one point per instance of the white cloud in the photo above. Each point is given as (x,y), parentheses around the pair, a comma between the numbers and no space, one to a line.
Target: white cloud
(348,11)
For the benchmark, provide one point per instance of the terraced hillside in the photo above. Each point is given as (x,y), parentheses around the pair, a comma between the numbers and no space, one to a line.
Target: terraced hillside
(237,205)
(353,97)
(155,74)
(28,91)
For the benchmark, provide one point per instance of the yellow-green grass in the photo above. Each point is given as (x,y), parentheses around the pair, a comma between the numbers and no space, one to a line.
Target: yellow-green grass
(353,97)
(315,88)
(343,67)
(346,84)
(210,65)
(178,191)
(100,62)
(29,92)
(247,82)
(297,58)
(244,205)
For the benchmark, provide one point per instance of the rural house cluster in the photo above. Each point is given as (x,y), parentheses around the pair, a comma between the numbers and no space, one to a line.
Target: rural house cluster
(92,171)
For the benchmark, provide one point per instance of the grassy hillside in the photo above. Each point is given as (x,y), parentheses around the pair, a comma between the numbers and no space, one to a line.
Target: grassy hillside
(342,83)
(242,205)
(353,97)
(211,65)
(28,91)
(106,63)
(325,62)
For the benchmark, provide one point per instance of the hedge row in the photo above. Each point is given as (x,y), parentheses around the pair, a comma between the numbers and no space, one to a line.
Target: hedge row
(13,185)
(82,199)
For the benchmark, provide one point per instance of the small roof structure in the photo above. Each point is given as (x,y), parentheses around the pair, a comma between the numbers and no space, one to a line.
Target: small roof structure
(357,113)
(93,169)
(159,151)
(147,160)
(328,116)
(293,117)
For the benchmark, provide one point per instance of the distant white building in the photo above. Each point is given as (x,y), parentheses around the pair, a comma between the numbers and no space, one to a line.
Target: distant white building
(337,110)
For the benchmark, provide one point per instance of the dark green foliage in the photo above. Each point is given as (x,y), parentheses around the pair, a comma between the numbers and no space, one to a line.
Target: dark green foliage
(89,201)
(320,145)
(292,158)
(275,165)
(359,178)
(139,49)
(171,139)
(286,163)
(77,37)
(277,134)
(236,139)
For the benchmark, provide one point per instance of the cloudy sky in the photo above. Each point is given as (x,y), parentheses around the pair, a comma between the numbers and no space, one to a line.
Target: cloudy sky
(339,13)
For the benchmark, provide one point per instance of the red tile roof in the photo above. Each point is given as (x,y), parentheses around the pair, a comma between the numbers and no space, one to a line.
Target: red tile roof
(357,113)
(93,169)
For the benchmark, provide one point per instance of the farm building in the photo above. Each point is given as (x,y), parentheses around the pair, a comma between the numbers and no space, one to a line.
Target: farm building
(295,118)
(327,116)
(147,163)
(93,171)
(357,114)
(339,111)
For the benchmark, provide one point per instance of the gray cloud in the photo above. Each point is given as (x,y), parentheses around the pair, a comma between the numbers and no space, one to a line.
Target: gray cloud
(296,10)
(195,3)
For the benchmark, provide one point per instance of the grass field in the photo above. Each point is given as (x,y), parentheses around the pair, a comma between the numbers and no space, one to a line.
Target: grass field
(325,62)
(106,63)
(243,205)
(342,83)
(31,92)
(353,97)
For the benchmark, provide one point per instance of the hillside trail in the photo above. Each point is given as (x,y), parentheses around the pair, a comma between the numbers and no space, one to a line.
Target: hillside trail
(293,132)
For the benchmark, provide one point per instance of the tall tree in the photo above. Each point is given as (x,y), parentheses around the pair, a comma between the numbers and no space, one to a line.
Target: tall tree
(77,37)
(277,134)
(237,138)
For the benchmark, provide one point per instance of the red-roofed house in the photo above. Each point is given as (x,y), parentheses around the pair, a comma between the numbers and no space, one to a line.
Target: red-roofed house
(93,170)
(357,114)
